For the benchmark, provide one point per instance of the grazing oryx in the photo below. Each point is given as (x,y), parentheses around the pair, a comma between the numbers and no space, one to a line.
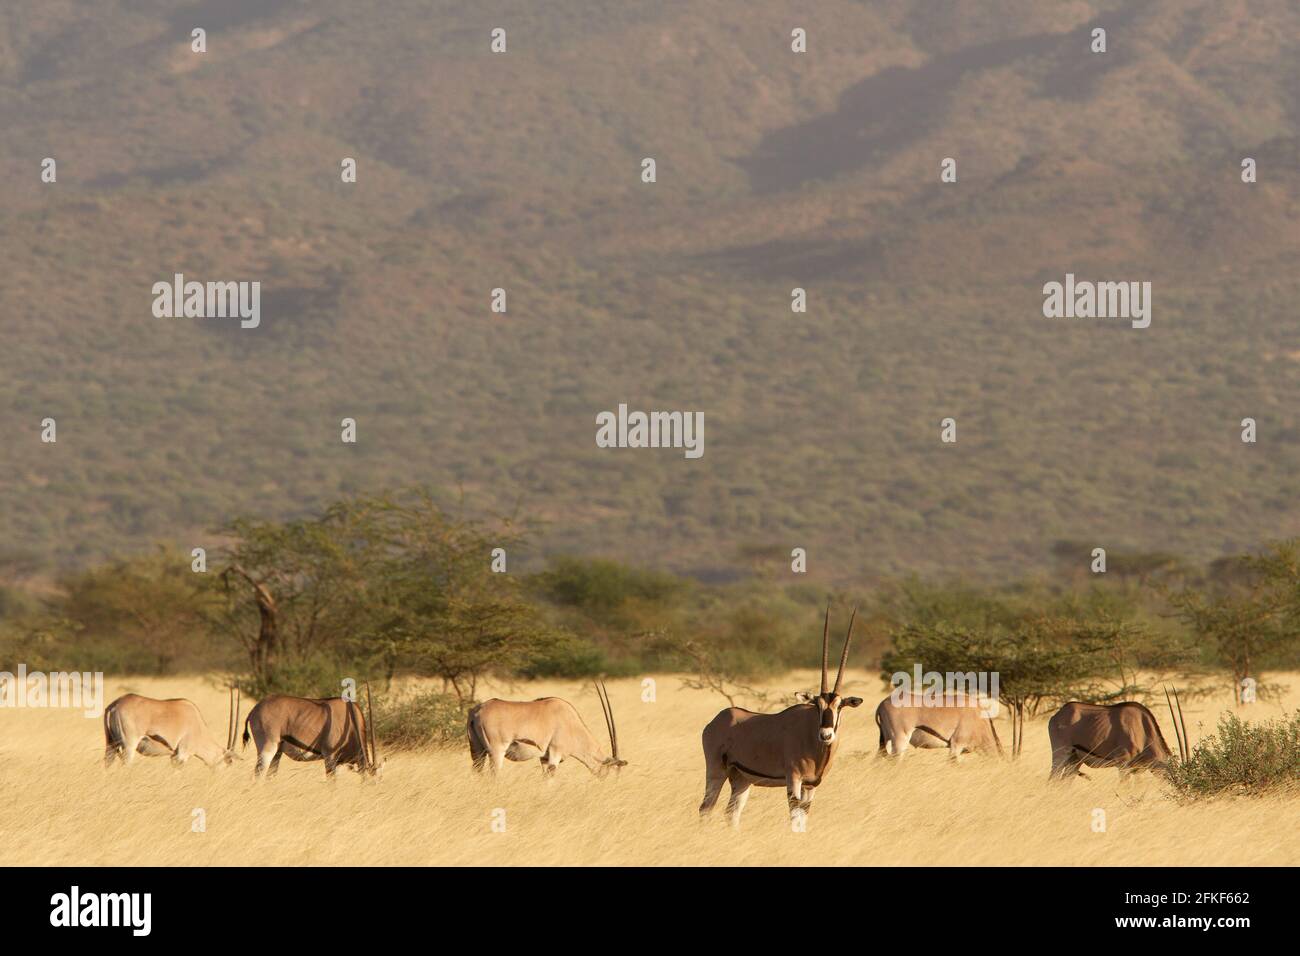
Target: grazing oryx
(333,730)
(794,747)
(548,727)
(155,728)
(1109,735)
(959,727)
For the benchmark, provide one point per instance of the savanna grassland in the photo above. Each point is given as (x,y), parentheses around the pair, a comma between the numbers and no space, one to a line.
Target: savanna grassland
(59,806)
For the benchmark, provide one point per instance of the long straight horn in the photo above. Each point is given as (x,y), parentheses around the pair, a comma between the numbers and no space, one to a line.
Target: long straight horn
(844,657)
(1174,720)
(826,648)
(230,720)
(1187,741)
(608,710)
(370,729)
(234,730)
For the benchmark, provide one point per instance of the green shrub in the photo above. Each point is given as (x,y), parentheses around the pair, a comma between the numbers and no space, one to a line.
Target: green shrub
(1242,758)
(602,585)
(414,720)
(316,677)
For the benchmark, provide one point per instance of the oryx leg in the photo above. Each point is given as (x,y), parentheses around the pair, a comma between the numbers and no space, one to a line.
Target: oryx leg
(268,758)
(900,744)
(130,746)
(799,799)
(794,793)
(715,775)
(806,803)
(1065,764)
(551,760)
(739,797)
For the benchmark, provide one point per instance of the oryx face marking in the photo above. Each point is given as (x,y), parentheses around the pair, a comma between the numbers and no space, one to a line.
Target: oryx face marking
(828,712)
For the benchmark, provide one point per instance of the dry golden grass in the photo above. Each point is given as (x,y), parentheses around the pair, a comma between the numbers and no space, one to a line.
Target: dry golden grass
(59,806)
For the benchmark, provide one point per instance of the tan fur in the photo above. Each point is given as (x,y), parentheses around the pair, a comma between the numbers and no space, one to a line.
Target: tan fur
(549,728)
(913,723)
(175,728)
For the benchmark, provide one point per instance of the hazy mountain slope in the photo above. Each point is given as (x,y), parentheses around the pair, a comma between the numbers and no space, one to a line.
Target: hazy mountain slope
(774,170)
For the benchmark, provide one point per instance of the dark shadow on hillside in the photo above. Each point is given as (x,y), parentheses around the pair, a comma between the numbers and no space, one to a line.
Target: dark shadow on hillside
(170,175)
(888,111)
(223,14)
(293,315)
(797,258)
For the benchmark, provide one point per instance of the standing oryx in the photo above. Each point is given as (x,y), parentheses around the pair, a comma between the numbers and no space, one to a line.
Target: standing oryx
(549,728)
(332,729)
(794,747)
(155,728)
(966,726)
(1108,735)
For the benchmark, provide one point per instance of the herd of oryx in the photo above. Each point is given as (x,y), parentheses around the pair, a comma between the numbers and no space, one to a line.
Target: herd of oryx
(794,747)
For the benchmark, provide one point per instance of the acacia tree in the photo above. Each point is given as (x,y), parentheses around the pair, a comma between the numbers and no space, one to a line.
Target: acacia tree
(1249,608)
(436,606)
(296,590)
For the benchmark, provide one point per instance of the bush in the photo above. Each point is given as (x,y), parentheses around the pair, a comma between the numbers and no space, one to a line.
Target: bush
(1242,758)
(602,585)
(315,678)
(415,720)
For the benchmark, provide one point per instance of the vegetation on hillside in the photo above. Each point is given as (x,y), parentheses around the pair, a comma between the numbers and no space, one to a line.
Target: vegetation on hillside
(775,170)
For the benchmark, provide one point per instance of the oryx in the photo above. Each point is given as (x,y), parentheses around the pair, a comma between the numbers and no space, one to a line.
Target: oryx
(907,720)
(794,747)
(1108,735)
(331,729)
(549,728)
(156,728)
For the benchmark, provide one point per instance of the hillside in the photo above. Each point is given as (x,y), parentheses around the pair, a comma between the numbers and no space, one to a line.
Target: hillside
(775,170)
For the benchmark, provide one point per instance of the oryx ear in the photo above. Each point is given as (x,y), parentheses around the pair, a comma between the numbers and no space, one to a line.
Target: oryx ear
(851,702)
(804,697)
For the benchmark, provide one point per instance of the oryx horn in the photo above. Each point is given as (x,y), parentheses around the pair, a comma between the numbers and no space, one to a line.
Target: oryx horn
(826,636)
(1182,752)
(233,730)
(607,709)
(844,657)
(370,730)
(1187,741)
